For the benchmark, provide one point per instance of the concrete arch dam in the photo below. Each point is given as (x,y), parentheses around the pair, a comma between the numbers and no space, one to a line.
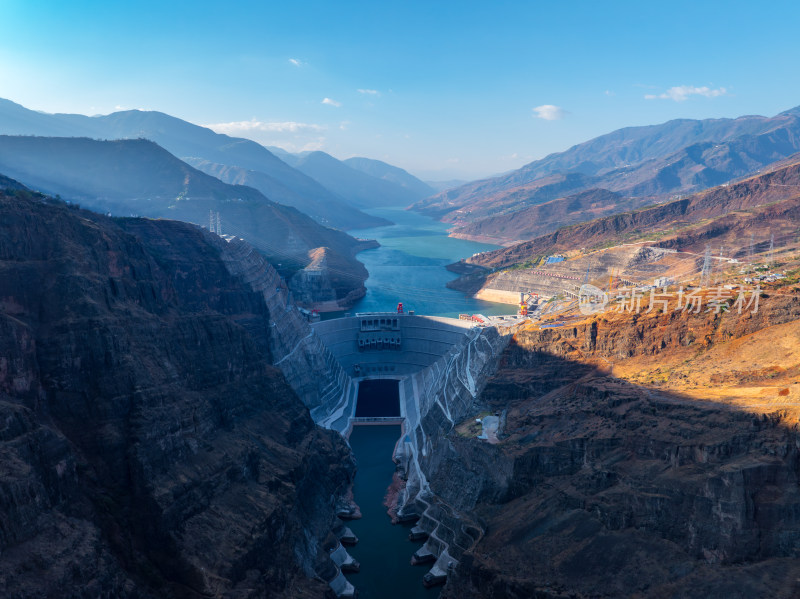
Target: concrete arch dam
(432,370)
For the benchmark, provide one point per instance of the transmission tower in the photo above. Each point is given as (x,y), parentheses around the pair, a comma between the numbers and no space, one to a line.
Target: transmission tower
(211,221)
(219,225)
(704,276)
(771,249)
(748,261)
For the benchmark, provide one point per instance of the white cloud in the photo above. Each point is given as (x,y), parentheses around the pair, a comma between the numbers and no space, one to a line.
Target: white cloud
(289,135)
(609,93)
(548,112)
(681,93)
(297,62)
(369,92)
(330,102)
(254,125)
(310,146)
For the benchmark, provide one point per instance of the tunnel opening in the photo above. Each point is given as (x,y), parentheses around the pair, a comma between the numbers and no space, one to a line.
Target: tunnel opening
(378,398)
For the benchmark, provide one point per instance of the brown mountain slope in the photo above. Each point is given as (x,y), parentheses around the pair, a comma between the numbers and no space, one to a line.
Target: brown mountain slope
(533,221)
(657,161)
(647,455)
(757,191)
(449,205)
(147,446)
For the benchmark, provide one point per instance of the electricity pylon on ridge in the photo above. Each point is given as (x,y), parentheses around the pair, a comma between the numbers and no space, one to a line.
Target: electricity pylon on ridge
(771,254)
(706,273)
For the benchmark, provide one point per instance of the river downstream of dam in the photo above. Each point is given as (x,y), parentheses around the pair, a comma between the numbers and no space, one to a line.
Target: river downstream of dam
(383,549)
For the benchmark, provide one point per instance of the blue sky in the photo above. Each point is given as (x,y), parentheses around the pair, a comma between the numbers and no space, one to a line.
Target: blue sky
(443,89)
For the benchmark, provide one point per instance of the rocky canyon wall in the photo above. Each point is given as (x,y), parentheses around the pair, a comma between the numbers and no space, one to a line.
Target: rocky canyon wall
(643,455)
(150,448)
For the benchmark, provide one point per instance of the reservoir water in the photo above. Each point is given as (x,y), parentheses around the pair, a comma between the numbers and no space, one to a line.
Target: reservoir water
(409,267)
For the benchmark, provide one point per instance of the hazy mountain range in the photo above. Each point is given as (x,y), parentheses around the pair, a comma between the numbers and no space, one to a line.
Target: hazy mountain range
(642,164)
(247,161)
(363,181)
(137,176)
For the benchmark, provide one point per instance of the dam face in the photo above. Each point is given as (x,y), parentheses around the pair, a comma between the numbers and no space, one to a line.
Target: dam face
(405,348)
(432,369)
(379,343)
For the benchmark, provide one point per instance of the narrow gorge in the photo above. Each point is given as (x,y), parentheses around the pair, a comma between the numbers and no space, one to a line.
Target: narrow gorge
(175,427)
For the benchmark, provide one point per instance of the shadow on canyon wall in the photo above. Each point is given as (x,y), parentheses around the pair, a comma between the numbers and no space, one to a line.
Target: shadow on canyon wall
(606,488)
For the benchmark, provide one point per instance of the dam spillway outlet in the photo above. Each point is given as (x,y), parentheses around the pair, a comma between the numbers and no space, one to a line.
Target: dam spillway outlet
(378,398)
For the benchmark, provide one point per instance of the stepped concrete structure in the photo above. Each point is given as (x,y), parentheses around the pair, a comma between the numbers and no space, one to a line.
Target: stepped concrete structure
(440,365)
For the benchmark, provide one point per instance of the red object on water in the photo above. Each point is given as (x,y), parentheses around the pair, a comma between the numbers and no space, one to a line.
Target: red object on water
(400,308)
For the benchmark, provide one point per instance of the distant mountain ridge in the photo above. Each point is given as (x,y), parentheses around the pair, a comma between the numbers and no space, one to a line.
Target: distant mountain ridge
(657,161)
(367,183)
(540,219)
(281,182)
(326,211)
(387,172)
(749,194)
(140,177)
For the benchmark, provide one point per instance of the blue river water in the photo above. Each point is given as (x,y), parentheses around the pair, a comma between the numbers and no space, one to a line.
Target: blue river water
(409,267)
(383,548)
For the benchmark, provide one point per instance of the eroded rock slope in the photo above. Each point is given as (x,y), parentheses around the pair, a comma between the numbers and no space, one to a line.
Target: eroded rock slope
(149,448)
(651,455)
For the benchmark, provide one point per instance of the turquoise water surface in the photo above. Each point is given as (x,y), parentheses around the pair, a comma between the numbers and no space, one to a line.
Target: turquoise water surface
(409,267)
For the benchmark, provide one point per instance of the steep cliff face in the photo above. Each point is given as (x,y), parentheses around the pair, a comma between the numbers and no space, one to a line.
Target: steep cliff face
(149,446)
(294,347)
(677,476)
